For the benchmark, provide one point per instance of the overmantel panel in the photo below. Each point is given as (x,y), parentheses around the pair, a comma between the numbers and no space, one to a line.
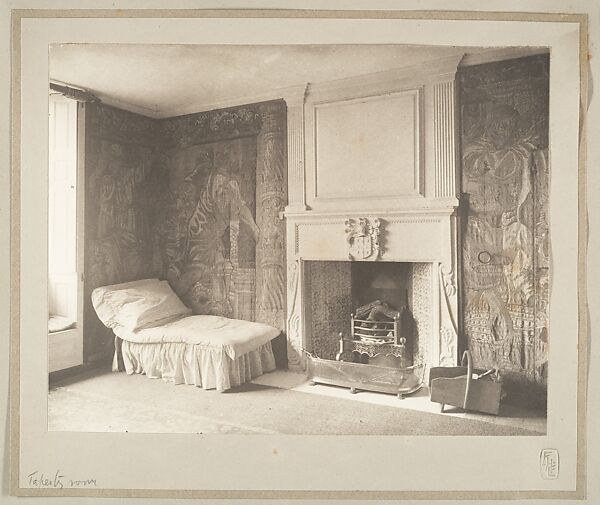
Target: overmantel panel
(372,144)
(382,141)
(365,149)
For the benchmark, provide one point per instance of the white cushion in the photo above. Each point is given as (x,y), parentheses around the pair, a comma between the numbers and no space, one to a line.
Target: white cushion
(59,323)
(138,304)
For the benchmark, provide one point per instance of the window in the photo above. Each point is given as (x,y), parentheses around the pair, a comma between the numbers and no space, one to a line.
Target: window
(65,244)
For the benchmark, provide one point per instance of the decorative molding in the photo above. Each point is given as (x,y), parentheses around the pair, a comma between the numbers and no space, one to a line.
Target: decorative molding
(394,79)
(416,220)
(389,215)
(75,93)
(296,239)
(322,222)
(444,139)
(362,236)
(287,93)
(148,112)
(500,54)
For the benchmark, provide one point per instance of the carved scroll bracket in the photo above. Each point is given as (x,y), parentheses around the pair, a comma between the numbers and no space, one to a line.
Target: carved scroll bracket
(363,238)
(448,280)
(294,321)
(448,317)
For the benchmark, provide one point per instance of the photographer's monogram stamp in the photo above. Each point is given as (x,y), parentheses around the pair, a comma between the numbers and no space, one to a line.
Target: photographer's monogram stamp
(549,465)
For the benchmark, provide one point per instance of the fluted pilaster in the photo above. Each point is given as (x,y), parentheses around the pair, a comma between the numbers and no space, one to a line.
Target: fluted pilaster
(444,139)
(295,146)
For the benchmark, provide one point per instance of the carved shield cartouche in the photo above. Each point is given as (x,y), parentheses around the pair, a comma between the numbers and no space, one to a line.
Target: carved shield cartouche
(362,236)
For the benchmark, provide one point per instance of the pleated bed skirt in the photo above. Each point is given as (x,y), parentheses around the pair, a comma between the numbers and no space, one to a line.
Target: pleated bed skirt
(208,367)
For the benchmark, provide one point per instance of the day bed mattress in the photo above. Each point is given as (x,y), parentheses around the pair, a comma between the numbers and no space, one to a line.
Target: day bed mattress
(236,337)
(210,352)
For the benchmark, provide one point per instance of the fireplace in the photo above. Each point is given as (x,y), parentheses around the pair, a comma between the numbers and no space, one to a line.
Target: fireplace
(416,267)
(335,289)
(373,208)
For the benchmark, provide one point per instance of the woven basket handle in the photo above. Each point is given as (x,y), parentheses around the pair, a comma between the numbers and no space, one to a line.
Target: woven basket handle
(467,357)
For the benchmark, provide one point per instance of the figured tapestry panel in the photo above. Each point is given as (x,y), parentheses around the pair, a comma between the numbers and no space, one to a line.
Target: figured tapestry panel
(504,112)
(119,156)
(218,236)
(206,232)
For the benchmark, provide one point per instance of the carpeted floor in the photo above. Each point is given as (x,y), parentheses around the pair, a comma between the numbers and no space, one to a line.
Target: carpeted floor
(105,401)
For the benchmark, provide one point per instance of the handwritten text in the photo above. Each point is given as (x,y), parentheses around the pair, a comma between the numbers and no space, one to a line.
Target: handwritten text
(57,481)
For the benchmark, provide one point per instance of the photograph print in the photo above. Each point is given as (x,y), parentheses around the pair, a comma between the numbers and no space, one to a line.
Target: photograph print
(298,240)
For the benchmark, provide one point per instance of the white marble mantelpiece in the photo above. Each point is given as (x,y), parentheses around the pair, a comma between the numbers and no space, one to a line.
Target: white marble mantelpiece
(416,205)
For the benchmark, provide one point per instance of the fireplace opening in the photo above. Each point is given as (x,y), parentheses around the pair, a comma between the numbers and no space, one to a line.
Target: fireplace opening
(336,289)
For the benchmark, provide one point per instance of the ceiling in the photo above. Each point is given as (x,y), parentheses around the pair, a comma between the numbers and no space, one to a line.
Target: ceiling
(170,80)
